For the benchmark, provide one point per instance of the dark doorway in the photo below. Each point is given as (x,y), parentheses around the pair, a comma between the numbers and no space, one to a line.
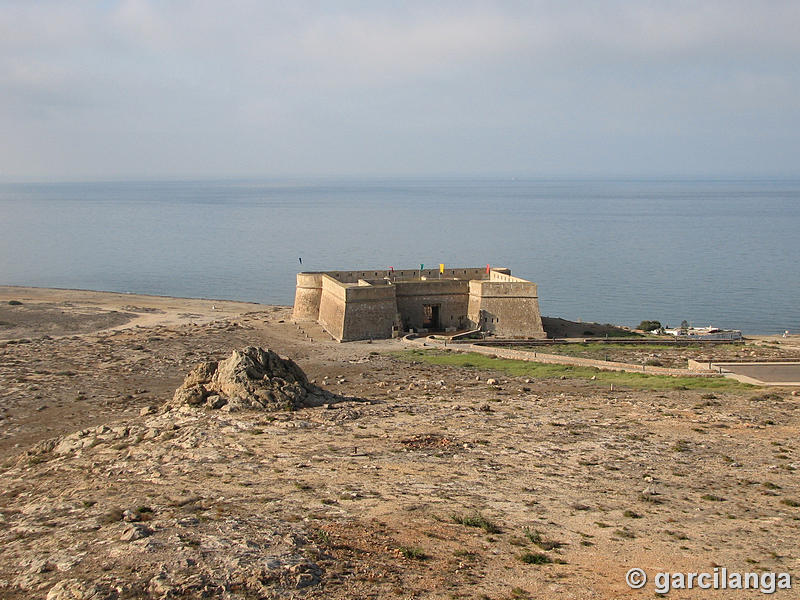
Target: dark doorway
(430,316)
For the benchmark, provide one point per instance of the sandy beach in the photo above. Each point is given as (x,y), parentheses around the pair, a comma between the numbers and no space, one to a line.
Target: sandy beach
(429,482)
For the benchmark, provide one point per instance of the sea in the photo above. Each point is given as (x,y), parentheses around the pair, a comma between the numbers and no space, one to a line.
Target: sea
(719,252)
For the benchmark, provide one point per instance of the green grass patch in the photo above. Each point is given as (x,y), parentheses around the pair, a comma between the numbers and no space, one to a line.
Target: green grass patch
(524,368)
(599,351)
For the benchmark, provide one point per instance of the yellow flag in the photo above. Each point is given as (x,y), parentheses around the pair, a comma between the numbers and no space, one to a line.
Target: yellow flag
(441,267)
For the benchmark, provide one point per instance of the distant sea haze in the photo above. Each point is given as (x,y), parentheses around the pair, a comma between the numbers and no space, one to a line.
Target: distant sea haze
(712,252)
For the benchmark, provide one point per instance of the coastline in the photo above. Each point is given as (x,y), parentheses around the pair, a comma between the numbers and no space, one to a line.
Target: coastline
(137,310)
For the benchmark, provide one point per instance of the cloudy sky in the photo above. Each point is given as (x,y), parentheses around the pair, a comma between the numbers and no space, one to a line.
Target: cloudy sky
(173,88)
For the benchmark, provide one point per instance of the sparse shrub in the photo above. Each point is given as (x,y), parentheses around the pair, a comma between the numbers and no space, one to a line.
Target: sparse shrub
(533,535)
(631,514)
(15,303)
(680,446)
(476,520)
(791,502)
(766,397)
(518,593)
(712,498)
(322,537)
(535,558)
(653,362)
(536,538)
(625,533)
(771,486)
(413,552)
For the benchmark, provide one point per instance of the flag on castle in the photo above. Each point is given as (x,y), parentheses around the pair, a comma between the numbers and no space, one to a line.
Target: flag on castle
(441,267)
(487,268)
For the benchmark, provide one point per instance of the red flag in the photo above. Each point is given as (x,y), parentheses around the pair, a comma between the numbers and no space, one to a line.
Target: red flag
(391,269)
(487,268)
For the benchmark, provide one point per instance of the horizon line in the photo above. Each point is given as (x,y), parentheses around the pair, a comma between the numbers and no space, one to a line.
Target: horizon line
(185,178)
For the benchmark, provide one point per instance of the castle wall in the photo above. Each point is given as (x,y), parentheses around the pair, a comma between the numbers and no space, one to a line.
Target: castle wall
(370,312)
(507,307)
(450,295)
(332,306)
(307,297)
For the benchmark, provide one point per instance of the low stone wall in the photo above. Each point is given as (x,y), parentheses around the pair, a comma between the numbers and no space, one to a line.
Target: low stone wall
(563,360)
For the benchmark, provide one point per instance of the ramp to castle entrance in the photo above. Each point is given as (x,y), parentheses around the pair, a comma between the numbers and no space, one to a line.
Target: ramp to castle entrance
(762,373)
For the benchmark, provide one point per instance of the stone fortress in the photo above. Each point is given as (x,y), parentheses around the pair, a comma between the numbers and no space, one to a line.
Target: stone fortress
(359,305)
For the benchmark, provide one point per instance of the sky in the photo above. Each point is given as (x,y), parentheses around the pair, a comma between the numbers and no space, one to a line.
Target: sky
(178,89)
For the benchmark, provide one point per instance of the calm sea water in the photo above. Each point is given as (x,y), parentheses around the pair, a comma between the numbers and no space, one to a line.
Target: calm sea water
(724,253)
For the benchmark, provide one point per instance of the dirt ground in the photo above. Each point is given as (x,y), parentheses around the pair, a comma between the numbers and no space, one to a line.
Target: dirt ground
(434,484)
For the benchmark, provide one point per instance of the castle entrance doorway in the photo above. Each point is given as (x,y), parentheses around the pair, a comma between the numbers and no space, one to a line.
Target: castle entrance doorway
(430,316)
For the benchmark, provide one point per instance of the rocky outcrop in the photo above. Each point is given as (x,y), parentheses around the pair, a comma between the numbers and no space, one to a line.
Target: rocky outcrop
(75,589)
(252,378)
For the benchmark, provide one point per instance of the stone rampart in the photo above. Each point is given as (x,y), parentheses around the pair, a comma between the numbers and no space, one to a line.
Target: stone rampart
(448,294)
(370,313)
(332,307)
(353,305)
(307,297)
(506,308)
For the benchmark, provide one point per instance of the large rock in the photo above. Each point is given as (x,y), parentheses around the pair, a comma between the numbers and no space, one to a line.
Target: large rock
(253,378)
(75,589)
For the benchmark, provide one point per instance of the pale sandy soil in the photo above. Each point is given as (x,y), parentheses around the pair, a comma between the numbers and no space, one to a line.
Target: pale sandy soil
(357,500)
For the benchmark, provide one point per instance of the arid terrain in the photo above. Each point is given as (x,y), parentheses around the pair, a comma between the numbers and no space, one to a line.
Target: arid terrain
(422,481)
